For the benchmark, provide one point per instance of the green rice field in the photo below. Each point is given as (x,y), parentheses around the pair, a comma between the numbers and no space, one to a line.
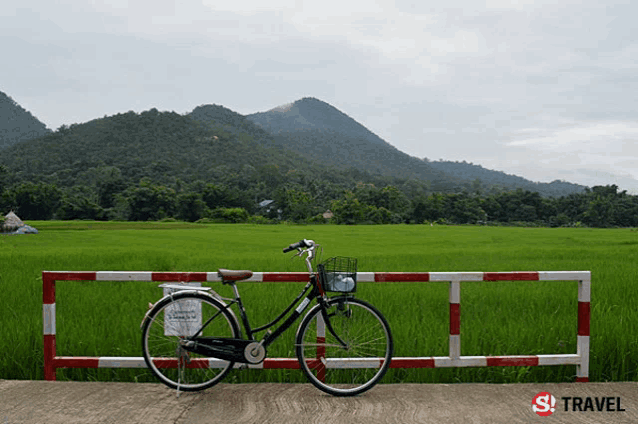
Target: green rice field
(497,318)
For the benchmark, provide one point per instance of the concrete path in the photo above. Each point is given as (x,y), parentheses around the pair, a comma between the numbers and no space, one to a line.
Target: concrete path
(122,403)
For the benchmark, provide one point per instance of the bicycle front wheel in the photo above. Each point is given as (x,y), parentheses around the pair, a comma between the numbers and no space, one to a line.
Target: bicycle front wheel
(351,369)
(169,323)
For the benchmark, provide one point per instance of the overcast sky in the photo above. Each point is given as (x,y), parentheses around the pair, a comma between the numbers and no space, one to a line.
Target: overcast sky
(542,89)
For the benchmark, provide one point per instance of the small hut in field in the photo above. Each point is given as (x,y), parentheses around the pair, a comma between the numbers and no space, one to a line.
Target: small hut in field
(14,225)
(11,220)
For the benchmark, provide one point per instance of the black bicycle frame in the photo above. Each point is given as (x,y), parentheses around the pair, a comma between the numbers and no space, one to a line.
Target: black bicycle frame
(232,349)
(270,336)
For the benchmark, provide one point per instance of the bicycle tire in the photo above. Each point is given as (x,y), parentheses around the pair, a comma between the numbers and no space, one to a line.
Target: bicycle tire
(161,333)
(333,368)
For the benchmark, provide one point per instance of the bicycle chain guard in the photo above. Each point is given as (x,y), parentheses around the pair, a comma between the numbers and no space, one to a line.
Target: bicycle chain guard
(235,350)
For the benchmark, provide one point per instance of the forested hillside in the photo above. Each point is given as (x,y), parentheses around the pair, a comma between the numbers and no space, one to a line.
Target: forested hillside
(321,132)
(220,118)
(163,146)
(141,166)
(216,165)
(483,178)
(17,124)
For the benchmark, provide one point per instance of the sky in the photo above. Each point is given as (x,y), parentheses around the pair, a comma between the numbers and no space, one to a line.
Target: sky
(547,90)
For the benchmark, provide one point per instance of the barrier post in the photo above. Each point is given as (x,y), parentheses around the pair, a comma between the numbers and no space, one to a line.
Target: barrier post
(584,317)
(455,320)
(48,318)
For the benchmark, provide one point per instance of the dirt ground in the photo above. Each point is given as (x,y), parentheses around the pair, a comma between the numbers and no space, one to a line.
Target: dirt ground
(89,402)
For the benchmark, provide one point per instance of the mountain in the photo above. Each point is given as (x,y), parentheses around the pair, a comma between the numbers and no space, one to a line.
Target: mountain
(220,118)
(110,166)
(210,145)
(17,124)
(320,132)
(308,143)
(162,145)
(313,114)
(487,178)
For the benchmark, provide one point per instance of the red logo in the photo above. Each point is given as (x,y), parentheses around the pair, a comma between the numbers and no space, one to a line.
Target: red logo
(544,404)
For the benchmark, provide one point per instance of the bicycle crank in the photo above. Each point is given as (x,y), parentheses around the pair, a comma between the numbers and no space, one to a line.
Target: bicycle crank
(255,353)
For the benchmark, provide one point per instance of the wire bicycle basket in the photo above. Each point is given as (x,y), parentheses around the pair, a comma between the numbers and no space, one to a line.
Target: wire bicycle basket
(338,274)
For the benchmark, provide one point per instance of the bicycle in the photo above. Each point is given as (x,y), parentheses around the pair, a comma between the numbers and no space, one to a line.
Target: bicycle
(191,339)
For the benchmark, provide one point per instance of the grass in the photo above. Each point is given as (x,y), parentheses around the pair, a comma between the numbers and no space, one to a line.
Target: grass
(497,318)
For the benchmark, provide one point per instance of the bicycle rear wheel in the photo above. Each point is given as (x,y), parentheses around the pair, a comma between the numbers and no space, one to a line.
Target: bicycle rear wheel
(349,370)
(172,320)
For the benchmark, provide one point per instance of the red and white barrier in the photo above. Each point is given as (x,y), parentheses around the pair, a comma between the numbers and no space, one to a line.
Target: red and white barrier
(580,358)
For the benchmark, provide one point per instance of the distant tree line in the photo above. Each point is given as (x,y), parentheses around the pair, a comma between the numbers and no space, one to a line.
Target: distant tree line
(104,194)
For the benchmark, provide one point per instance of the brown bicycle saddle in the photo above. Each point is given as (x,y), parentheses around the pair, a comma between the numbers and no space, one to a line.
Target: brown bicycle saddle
(234,275)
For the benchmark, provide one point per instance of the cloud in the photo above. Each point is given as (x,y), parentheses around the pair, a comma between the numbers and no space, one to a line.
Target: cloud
(611,138)
(591,152)
(500,83)
(218,59)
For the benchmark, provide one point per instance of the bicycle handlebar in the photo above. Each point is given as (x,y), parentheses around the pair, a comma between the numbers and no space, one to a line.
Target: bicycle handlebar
(299,244)
(310,251)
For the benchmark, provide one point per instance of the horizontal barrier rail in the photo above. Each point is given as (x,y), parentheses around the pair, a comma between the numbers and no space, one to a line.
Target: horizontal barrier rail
(580,358)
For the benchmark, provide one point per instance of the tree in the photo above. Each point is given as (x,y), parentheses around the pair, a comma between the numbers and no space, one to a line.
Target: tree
(80,202)
(492,208)
(600,210)
(559,220)
(151,202)
(573,205)
(36,201)
(625,213)
(295,204)
(222,196)
(434,207)
(389,198)
(465,209)
(598,213)
(5,202)
(394,200)
(380,215)
(214,195)
(347,210)
(4,177)
(190,206)
(109,182)
(233,215)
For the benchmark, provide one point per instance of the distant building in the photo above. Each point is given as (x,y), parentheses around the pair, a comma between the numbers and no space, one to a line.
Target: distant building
(265,203)
(327,214)
(268,209)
